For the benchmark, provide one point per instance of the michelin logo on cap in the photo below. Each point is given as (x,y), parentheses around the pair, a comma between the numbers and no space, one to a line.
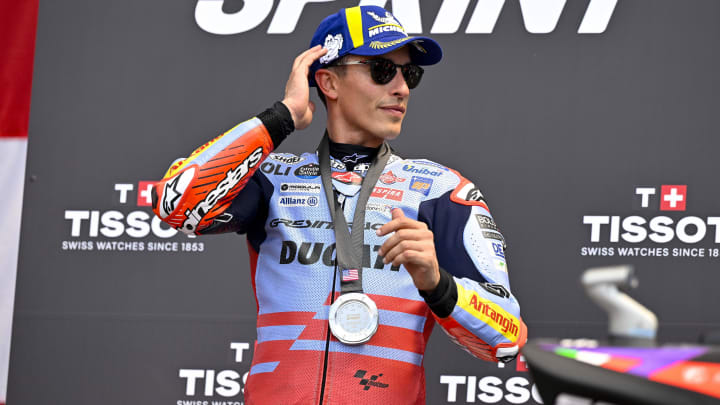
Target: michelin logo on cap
(333,43)
(389,23)
(368,31)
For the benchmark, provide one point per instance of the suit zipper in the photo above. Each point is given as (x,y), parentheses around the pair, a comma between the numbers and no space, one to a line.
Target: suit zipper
(342,199)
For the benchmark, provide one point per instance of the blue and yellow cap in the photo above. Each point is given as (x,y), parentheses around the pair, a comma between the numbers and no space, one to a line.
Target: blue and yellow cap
(368,30)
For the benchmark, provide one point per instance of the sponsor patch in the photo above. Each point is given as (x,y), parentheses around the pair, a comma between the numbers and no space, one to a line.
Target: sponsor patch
(489,312)
(300,223)
(309,171)
(496,236)
(421,184)
(497,249)
(361,168)
(300,188)
(287,159)
(347,177)
(337,165)
(388,19)
(387,193)
(299,201)
(384,208)
(275,169)
(333,43)
(421,170)
(486,222)
(390,178)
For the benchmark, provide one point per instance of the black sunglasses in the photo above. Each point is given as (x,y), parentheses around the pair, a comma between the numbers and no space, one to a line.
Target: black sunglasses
(383,71)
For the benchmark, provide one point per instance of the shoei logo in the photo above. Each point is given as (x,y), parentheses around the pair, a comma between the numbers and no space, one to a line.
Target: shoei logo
(667,223)
(539,16)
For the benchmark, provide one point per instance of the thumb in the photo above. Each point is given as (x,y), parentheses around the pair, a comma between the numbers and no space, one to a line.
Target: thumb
(311,105)
(397,213)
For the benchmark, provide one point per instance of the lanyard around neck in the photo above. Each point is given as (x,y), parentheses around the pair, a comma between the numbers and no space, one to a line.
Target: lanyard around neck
(349,246)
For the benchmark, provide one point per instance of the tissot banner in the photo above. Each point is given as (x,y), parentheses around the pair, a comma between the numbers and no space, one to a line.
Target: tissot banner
(589,126)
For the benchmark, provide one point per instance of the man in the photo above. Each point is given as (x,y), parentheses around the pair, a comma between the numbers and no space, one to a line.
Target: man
(355,252)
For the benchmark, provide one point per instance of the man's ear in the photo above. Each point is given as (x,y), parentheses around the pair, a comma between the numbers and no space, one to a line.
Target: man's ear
(327,83)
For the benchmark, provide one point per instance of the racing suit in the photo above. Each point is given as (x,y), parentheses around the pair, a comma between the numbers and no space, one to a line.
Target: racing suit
(234,183)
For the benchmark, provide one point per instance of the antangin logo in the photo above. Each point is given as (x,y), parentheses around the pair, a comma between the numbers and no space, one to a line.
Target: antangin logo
(232,177)
(504,322)
(371,381)
(539,16)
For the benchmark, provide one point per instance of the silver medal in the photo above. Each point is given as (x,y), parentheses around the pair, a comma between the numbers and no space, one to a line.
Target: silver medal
(353,318)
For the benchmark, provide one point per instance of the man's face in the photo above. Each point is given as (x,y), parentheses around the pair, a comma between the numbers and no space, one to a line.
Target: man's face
(368,111)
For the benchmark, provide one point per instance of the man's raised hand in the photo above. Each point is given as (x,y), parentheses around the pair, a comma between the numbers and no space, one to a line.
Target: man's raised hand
(297,89)
(412,246)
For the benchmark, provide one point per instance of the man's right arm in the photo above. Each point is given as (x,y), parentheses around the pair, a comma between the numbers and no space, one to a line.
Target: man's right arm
(196,191)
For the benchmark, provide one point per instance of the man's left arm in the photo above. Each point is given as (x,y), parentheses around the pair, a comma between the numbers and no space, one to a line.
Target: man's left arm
(455,254)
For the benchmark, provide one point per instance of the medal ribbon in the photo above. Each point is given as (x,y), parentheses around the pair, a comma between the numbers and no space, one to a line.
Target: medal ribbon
(349,246)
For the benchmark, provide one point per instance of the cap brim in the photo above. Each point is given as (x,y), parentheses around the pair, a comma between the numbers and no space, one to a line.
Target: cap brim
(423,50)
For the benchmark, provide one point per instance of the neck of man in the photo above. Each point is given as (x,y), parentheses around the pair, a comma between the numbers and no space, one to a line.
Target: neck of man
(339,133)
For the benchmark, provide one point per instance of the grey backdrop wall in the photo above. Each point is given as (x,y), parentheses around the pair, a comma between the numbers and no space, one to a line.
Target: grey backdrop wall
(559,124)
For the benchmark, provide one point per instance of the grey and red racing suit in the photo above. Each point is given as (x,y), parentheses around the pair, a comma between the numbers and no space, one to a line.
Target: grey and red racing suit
(235,184)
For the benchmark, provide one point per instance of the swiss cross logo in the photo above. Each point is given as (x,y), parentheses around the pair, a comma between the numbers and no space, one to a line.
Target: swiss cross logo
(144,198)
(673,198)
